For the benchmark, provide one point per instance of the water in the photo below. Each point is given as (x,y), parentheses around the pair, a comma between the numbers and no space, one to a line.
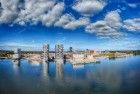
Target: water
(116,76)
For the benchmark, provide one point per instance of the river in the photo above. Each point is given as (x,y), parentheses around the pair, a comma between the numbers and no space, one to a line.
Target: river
(109,76)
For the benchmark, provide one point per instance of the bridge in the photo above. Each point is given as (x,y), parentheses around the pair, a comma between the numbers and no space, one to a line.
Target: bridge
(44,54)
(32,54)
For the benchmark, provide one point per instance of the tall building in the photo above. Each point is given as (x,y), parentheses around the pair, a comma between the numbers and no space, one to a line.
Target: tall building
(46,52)
(59,53)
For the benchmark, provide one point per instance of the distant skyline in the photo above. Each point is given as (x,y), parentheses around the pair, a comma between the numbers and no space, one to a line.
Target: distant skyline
(81,24)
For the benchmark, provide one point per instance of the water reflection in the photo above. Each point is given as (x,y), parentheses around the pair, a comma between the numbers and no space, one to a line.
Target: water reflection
(16,62)
(45,70)
(119,76)
(16,65)
(109,79)
(76,66)
(59,71)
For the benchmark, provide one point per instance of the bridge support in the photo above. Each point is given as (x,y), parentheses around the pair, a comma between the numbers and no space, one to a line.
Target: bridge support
(46,53)
(17,54)
(59,58)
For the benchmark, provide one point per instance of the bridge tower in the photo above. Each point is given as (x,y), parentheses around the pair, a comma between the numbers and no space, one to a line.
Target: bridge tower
(59,58)
(59,72)
(17,54)
(46,52)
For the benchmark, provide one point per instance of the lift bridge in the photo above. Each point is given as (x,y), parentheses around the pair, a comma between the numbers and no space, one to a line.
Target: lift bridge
(32,53)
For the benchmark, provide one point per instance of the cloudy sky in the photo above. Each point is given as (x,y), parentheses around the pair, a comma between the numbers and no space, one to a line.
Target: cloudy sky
(92,24)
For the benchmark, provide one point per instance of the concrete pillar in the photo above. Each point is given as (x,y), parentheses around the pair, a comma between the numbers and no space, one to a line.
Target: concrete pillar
(59,58)
(59,72)
(46,52)
(17,54)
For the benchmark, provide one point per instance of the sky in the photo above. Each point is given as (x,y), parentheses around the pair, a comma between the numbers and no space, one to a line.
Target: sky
(81,24)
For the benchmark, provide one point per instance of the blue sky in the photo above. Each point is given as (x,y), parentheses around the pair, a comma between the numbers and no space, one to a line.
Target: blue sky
(82,24)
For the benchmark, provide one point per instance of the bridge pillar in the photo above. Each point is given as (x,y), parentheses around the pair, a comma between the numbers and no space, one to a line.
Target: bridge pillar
(46,53)
(59,58)
(17,54)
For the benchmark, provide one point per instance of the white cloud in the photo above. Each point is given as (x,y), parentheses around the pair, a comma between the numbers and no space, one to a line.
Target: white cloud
(89,7)
(8,10)
(67,21)
(47,12)
(50,12)
(113,19)
(101,29)
(132,24)
(107,28)
(30,11)
(94,27)
(132,5)
(52,16)
(77,23)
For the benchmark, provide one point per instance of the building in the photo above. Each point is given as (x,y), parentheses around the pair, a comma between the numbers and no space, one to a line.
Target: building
(46,52)
(59,53)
